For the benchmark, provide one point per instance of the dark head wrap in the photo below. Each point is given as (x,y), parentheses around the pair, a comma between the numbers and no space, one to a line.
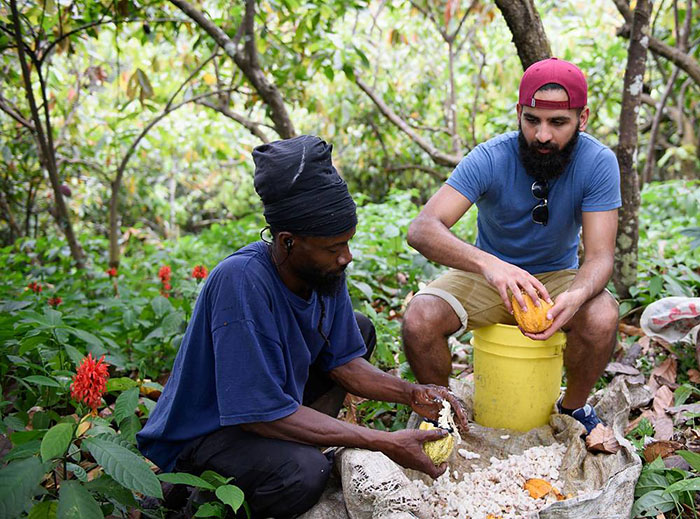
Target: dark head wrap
(300,189)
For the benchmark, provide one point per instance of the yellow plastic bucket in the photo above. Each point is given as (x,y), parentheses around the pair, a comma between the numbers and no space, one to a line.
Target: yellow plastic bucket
(516,380)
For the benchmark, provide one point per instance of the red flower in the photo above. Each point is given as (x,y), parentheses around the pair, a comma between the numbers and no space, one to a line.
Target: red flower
(164,273)
(111,272)
(199,272)
(34,287)
(166,285)
(55,301)
(90,382)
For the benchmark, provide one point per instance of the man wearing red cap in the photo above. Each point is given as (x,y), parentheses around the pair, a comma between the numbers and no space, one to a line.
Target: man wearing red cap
(536,189)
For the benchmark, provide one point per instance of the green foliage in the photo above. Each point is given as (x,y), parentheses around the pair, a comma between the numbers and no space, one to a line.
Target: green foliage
(660,489)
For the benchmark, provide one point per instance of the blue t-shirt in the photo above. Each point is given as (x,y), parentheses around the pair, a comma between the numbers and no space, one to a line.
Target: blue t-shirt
(493,177)
(246,354)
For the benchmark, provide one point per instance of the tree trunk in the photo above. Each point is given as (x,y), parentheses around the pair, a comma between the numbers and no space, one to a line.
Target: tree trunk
(528,32)
(625,270)
(45,142)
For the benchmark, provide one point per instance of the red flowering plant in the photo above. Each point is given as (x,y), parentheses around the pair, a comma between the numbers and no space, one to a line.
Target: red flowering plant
(90,382)
(54,301)
(200,272)
(34,287)
(164,273)
(112,272)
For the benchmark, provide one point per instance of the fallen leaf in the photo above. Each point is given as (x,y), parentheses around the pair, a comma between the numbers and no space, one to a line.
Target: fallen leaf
(537,487)
(694,376)
(663,399)
(630,330)
(619,367)
(645,343)
(663,427)
(661,448)
(676,462)
(602,439)
(667,369)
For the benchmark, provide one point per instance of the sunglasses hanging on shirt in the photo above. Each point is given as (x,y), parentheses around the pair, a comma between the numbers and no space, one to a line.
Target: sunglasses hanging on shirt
(540,213)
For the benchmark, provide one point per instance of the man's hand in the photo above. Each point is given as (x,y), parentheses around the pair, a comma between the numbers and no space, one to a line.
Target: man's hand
(503,277)
(406,448)
(426,400)
(565,307)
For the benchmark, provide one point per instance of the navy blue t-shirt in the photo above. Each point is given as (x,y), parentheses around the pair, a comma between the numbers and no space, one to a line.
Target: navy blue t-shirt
(246,354)
(493,177)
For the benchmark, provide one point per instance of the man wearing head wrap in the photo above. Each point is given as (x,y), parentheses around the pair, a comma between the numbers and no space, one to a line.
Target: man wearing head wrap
(536,189)
(272,347)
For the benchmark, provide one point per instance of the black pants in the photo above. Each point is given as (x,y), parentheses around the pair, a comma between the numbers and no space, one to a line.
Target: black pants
(279,478)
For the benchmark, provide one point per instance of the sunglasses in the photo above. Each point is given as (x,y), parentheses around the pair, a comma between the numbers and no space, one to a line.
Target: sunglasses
(540,213)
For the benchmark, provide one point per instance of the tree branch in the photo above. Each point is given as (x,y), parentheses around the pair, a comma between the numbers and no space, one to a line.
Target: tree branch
(407,167)
(247,61)
(252,126)
(14,113)
(438,157)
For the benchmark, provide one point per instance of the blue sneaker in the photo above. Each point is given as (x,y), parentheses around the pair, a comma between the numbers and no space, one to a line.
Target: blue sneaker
(586,415)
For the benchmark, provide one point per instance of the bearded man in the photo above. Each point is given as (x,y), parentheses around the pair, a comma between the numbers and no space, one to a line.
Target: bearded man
(535,190)
(272,347)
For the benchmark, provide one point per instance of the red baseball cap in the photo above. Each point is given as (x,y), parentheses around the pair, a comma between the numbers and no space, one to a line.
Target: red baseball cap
(558,71)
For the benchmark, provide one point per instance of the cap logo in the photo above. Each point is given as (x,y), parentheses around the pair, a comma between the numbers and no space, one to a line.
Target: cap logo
(532,102)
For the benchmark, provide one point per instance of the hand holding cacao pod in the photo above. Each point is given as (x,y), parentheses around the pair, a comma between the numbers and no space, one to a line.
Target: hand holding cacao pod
(535,319)
(439,450)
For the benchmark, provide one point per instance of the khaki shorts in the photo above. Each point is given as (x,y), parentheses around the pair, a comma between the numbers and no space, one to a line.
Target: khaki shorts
(478,304)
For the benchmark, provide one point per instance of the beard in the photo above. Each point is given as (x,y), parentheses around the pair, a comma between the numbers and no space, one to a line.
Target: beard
(323,283)
(545,166)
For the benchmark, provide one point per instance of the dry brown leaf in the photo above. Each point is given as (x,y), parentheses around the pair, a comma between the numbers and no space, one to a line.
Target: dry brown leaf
(694,376)
(663,427)
(661,448)
(676,462)
(602,439)
(490,516)
(537,487)
(645,343)
(559,495)
(618,367)
(630,330)
(663,399)
(667,370)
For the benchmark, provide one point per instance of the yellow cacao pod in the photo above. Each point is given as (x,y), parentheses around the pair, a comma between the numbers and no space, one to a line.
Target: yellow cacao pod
(438,450)
(535,319)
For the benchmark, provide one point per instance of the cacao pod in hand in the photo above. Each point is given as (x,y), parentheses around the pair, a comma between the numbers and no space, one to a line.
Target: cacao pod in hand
(535,319)
(439,450)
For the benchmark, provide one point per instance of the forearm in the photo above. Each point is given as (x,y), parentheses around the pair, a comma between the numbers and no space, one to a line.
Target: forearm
(592,277)
(361,378)
(435,241)
(305,425)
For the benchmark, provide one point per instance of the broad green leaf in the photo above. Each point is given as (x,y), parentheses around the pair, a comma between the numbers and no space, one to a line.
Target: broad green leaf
(56,441)
(128,428)
(364,288)
(652,503)
(25,450)
(120,384)
(44,510)
(19,482)
(161,306)
(692,458)
(41,380)
(210,510)
(73,354)
(126,404)
(75,502)
(29,343)
(11,306)
(109,488)
(183,478)
(172,323)
(87,337)
(230,495)
(78,471)
(685,485)
(214,478)
(124,466)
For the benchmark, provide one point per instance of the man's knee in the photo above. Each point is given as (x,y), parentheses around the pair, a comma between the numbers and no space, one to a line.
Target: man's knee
(600,314)
(429,314)
(296,487)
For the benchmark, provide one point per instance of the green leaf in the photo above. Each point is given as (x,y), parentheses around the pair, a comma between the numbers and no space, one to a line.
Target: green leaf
(19,482)
(124,466)
(29,343)
(364,288)
(172,323)
(41,380)
(210,510)
(126,404)
(146,88)
(87,337)
(652,503)
(230,495)
(75,502)
(692,458)
(214,479)
(73,354)
(161,306)
(56,441)
(44,510)
(11,306)
(78,471)
(129,427)
(685,485)
(120,384)
(25,450)
(109,488)
(183,478)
